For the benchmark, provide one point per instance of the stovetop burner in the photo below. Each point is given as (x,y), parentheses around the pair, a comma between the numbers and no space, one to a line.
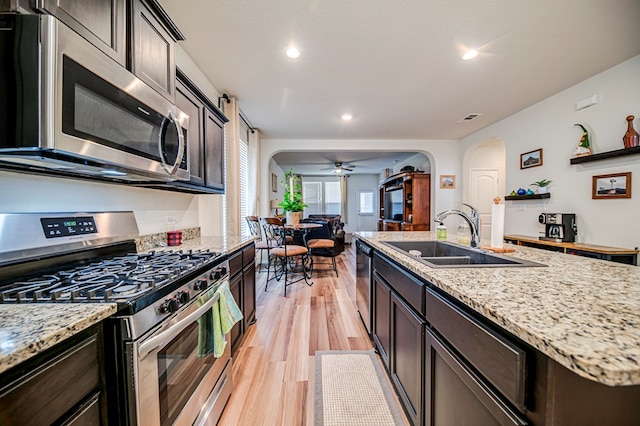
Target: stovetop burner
(118,279)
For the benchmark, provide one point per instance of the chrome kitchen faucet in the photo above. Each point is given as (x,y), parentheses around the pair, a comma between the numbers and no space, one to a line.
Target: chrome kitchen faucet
(473,220)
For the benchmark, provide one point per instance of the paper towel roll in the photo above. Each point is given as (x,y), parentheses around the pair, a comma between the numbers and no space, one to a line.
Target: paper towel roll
(497,225)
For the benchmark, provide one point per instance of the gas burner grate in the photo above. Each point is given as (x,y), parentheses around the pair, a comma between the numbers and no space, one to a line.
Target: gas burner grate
(117,279)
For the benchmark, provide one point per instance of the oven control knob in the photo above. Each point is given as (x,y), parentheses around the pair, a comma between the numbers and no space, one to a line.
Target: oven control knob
(223,270)
(201,284)
(215,275)
(169,306)
(183,297)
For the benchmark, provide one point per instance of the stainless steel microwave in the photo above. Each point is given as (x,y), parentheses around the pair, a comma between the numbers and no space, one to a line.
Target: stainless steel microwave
(68,107)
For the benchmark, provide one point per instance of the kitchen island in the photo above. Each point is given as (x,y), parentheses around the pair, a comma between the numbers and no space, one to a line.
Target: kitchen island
(572,326)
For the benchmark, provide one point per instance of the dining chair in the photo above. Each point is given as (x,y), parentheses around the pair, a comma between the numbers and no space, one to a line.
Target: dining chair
(261,244)
(288,259)
(324,247)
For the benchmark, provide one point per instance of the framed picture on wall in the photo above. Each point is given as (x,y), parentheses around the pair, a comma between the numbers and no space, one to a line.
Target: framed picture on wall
(274,182)
(531,159)
(616,185)
(447,181)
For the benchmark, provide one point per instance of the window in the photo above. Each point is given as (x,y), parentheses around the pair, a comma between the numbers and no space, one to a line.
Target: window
(321,194)
(332,197)
(245,201)
(365,203)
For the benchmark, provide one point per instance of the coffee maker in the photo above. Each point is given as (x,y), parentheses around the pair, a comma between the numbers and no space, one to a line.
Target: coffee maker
(559,227)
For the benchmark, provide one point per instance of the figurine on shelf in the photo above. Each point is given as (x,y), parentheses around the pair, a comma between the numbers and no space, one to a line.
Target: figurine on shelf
(630,138)
(583,147)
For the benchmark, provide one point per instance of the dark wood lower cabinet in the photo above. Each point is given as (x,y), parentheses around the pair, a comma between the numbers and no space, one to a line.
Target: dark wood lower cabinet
(63,385)
(242,270)
(451,366)
(235,285)
(382,317)
(406,359)
(457,396)
(249,294)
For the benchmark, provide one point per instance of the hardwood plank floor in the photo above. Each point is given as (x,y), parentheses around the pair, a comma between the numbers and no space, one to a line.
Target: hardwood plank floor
(274,367)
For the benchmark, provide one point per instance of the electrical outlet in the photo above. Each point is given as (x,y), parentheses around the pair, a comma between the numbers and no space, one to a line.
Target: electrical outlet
(169,220)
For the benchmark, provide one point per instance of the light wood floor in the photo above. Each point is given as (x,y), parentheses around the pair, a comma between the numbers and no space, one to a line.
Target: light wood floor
(274,366)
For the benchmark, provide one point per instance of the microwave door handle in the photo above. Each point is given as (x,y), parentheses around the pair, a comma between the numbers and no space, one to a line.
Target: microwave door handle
(172,168)
(150,345)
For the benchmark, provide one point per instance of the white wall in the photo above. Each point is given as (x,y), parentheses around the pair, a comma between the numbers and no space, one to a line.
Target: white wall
(549,125)
(22,192)
(273,169)
(444,158)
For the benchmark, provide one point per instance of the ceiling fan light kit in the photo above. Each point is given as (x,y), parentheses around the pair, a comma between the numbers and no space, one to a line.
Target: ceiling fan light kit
(339,168)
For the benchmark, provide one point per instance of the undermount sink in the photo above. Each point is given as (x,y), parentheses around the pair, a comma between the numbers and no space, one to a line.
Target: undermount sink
(440,254)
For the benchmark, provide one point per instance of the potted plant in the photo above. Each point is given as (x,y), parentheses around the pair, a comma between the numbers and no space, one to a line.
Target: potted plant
(542,185)
(292,200)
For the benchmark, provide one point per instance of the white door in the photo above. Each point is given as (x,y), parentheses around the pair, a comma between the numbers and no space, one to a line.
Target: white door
(484,188)
(366,208)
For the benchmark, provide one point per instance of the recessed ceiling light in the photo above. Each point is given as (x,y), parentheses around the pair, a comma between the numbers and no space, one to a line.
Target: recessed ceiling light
(470,54)
(346,116)
(293,52)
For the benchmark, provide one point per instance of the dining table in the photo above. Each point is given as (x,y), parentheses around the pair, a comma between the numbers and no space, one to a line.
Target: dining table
(304,227)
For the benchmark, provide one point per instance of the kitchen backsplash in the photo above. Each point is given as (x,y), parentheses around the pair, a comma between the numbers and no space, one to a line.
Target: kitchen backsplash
(147,242)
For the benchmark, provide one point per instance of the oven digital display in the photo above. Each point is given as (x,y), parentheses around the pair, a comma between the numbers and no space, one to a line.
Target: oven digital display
(68,226)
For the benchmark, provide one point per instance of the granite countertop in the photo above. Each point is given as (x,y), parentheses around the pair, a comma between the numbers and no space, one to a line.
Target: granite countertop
(225,244)
(28,329)
(583,313)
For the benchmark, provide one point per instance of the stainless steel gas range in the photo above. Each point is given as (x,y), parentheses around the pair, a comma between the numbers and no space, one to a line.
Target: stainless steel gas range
(156,372)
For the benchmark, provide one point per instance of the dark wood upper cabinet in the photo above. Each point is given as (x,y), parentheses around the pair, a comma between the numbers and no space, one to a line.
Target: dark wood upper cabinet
(214,149)
(189,103)
(103,23)
(152,50)
(205,139)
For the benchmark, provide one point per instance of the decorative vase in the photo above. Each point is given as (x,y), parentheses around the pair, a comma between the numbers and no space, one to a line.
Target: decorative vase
(293,218)
(631,138)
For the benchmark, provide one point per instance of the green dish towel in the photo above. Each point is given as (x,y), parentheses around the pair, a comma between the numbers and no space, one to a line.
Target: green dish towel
(209,327)
(218,321)
(230,313)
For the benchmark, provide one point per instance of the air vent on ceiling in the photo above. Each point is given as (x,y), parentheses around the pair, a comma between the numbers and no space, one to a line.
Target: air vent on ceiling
(469,117)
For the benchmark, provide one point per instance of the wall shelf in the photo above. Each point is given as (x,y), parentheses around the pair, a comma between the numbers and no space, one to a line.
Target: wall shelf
(605,155)
(527,197)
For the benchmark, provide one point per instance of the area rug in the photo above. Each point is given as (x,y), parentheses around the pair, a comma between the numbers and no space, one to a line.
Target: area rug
(351,389)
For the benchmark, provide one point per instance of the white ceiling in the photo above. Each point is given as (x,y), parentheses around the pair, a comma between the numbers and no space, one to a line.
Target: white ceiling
(395,65)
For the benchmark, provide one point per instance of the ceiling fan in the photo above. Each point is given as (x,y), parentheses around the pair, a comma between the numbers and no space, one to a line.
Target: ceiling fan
(340,168)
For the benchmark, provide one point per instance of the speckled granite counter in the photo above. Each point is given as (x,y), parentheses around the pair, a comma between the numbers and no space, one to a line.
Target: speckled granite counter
(582,313)
(226,244)
(26,330)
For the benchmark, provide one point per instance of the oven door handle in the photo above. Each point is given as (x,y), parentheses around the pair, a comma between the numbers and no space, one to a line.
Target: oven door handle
(150,345)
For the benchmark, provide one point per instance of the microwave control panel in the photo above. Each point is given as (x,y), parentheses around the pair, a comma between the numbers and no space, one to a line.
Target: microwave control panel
(68,226)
